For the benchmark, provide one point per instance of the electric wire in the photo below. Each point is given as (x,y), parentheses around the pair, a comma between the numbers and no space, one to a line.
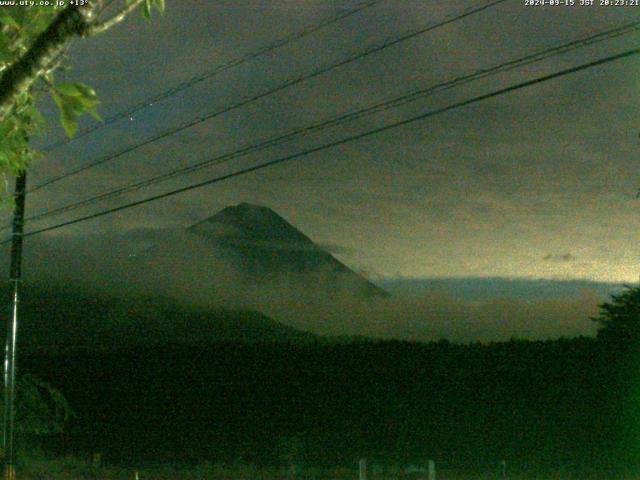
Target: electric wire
(384,128)
(289,83)
(373,109)
(307,30)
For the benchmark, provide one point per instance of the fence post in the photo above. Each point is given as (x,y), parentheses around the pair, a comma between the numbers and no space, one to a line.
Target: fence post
(96,461)
(432,470)
(363,469)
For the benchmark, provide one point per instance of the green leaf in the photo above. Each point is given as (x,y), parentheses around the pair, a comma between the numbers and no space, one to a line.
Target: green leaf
(69,120)
(6,129)
(69,124)
(68,89)
(80,92)
(86,91)
(9,21)
(160,4)
(57,98)
(86,104)
(68,114)
(74,100)
(94,113)
(146,9)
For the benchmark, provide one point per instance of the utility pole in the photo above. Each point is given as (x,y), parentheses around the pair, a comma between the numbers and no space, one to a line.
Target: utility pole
(12,326)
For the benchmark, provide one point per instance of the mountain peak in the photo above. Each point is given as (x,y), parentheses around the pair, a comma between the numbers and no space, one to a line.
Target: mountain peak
(249,209)
(247,221)
(263,245)
(244,206)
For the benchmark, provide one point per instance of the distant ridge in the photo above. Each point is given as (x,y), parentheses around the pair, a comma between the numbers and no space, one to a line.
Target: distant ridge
(63,318)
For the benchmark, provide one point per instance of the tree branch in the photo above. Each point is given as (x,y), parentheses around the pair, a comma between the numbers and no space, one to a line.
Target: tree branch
(100,27)
(74,20)
(20,76)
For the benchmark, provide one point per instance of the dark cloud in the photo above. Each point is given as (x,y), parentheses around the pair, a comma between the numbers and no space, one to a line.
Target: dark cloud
(561,257)
(487,190)
(183,268)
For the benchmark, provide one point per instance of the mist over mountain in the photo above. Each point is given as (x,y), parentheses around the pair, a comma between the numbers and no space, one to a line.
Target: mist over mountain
(264,247)
(245,256)
(57,318)
(249,258)
(206,283)
(481,289)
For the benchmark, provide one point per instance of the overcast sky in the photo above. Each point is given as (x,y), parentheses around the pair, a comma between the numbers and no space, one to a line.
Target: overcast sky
(538,183)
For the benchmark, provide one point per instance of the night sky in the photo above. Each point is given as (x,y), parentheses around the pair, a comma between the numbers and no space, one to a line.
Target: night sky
(538,183)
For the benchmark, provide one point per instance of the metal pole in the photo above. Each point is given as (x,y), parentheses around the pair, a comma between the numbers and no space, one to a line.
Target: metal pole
(12,327)
(363,469)
(431,471)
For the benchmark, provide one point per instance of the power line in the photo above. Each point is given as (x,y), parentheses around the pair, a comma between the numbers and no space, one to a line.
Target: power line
(373,109)
(307,30)
(304,77)
(343,141)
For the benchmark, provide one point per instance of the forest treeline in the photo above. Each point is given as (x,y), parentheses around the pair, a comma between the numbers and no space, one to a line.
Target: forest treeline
(560,405)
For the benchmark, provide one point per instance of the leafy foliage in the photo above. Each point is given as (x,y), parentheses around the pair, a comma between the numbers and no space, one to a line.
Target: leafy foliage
(19,28)
(149,5)
(74,100)
(619,319)
(40,408)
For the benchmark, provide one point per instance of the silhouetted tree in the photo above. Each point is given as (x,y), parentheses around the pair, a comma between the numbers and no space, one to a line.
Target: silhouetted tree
(619,319)
(41,410)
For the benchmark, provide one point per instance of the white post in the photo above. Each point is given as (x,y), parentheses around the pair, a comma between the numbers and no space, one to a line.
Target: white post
(432,470)
(363,469)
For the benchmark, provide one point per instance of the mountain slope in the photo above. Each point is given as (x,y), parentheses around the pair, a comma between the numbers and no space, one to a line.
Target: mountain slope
(263,246)
(60,318)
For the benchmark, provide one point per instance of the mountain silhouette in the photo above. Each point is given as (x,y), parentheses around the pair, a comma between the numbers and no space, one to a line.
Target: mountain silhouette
(264,247)
(60,318)
(244,274)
